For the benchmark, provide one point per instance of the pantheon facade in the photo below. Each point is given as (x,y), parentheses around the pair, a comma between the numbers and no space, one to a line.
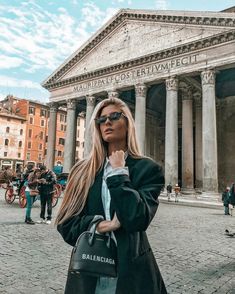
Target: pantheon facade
(176,71)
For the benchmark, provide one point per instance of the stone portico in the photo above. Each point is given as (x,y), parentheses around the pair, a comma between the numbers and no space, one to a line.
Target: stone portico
(176,71)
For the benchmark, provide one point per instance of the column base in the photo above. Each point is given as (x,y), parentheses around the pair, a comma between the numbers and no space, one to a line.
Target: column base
(209,196)
(188,191)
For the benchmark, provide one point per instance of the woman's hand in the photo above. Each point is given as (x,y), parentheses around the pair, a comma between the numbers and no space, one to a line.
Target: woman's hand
(108,226)
(117,159)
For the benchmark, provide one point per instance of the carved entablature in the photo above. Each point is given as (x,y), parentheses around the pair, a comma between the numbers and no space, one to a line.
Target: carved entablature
(226,36)
(113,94)
(53,106)
(90,100)
(71,104)
(208,77)
(172,84)
(140,90)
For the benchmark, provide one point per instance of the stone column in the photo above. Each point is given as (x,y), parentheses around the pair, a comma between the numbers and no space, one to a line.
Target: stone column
(187,141)
(70,140)
(90,105)
(140,115)
(209,134)
(198,140)
(50,157)
(171,136)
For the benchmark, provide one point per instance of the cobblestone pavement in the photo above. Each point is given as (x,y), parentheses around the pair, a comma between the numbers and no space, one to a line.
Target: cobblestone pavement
(191,249)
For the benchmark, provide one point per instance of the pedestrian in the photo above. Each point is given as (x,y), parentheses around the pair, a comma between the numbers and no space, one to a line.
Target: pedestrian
(169,191)
(29,168)
(226,199)
(46,188)
(31,191)
(177,192)
(120,184)
(232,199)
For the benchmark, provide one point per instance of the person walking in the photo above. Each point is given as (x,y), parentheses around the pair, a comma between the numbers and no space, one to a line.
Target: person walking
(31,191)
(169,191)
(177,192)
(226,199)
(120,184)
(232,199)
(46,188)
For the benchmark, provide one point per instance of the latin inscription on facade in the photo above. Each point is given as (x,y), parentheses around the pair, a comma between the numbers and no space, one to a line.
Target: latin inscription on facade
(141,72)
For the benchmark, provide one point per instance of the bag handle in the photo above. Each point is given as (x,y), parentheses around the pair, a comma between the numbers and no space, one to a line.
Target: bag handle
(92,228)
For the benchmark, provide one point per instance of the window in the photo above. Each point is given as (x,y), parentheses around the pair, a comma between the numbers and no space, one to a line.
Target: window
(65,128)
(31,120)
(46,139)
(59,153)
(61,141)
(65,118)
(61,118)
(42,123)
(7,129)
(43,112)
(31,110)
(8,119)
(78,121)
(5,154)
(19,155)
(78,133)
(61,127)
(28,156)
(21,131)
(30,133)
(40,146)
(29,145)
(41,135)
(82,144)
(45,152)
(78,143)
(6,142)
(39,157)
(20,144)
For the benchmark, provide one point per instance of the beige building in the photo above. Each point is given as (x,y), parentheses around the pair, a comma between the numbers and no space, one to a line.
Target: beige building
(176,70)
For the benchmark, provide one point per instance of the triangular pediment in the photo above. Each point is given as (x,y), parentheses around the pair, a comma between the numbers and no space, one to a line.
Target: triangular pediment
(131,36)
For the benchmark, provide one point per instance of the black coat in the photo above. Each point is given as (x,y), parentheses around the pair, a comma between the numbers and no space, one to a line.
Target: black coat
(134,199)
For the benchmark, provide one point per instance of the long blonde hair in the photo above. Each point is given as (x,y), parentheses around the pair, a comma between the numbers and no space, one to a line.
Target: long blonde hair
(83,173)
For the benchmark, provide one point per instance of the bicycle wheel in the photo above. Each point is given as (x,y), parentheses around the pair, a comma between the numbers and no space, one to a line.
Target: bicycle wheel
(54,201)
(9,195)
(22,198)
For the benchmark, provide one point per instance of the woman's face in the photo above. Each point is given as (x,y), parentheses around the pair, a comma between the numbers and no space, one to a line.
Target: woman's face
(113,131)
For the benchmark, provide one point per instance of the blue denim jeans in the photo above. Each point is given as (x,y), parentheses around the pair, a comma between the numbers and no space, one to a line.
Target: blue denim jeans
(30,201)
(106,285)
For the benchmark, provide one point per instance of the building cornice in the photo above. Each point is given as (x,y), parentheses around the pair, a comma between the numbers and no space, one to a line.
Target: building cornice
(124,15)
(158,56)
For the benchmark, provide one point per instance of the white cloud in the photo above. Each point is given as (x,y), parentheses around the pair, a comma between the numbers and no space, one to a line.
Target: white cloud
(6,81)
(9,62)
(161,4)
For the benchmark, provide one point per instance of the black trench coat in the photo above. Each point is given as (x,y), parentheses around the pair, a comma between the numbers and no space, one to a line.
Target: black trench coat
(134,199)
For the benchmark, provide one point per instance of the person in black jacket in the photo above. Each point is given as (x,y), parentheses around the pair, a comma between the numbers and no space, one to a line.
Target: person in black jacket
(47,180)
(123,186)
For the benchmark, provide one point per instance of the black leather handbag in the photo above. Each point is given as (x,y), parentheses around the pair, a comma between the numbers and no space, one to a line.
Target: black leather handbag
(94,254)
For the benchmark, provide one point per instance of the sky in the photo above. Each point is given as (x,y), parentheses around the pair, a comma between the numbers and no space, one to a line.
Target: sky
(36,36)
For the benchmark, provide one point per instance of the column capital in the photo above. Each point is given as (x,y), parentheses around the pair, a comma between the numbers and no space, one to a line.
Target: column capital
(208,77)
(172,84)
(90,100)
(53,106)
(187,93)
(71,104)
(113,94)
(140,90)
(197,96)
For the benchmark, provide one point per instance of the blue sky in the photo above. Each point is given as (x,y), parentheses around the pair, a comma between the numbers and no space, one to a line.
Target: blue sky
(36,36)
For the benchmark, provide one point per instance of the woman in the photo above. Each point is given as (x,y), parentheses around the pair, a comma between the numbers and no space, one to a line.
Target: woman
(115,181)
(31,192)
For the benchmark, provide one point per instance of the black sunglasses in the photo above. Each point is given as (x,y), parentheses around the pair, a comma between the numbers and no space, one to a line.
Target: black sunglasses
(112,117)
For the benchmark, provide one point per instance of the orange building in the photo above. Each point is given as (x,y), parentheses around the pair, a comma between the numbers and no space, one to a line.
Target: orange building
(36,117)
